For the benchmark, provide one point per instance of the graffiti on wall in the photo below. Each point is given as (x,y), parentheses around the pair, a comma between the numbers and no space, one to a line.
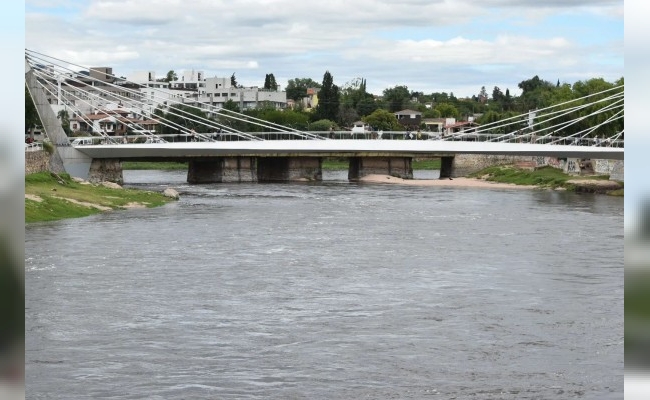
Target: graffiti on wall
(602,166)
(572,167)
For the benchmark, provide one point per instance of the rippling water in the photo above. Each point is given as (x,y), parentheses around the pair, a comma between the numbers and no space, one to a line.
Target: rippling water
(329,290)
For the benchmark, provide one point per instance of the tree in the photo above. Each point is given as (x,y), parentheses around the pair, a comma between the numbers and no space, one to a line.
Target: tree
(483,96)
(269,82)
(32,119)
(187,117)
(233,81)
(65,121)
(297,88)
(171,76)
(322,125)
(447,110)
(397,98)
(384,120)
(328,99)
(354,96)
(231,105)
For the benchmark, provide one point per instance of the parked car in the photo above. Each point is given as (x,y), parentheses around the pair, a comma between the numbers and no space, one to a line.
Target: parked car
(82,142)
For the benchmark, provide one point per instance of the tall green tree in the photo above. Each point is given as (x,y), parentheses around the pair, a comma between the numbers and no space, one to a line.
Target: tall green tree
(397,98)
(354,96)
(297,88)
(171,76)
(269,82)
(328,99)
(233,81)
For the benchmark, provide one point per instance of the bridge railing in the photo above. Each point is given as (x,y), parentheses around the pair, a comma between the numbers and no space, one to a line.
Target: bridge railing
(385,135)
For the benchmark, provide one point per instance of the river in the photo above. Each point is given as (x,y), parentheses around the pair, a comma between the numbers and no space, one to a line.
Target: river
(329,290)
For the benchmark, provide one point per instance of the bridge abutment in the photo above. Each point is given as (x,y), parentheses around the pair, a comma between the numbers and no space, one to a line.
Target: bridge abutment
(400,167)
(222,170)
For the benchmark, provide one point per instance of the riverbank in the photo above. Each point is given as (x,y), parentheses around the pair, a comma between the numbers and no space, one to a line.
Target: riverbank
(51,197)
(512,177)
(455,182)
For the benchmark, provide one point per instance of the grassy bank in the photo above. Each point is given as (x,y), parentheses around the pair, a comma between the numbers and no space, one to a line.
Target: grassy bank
(167,166)
(549,177)
(50,197)
(329,164)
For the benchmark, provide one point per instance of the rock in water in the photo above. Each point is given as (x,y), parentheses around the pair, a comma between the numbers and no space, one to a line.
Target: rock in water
(169,192)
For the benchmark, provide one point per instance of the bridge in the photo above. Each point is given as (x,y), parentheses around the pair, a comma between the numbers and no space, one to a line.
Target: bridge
(282,153)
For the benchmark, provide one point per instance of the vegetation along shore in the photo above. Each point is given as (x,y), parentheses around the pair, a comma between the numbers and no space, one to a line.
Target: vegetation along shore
(50,197)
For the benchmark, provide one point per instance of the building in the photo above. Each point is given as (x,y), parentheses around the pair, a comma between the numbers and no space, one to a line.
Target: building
(113,122)
(410,119)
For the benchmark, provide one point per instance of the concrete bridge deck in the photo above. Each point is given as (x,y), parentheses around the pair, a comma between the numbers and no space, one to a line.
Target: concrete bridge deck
(340,148)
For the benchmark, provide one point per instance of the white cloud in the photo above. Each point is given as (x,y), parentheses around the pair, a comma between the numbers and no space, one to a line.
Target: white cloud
(428,45)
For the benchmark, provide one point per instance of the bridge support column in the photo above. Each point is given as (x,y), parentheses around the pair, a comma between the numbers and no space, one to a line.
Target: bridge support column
(446,167)
(286,169)
(106,169)
(400,167)
(222,170)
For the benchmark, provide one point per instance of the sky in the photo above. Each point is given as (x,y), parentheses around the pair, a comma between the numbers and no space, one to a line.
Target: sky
(428,46)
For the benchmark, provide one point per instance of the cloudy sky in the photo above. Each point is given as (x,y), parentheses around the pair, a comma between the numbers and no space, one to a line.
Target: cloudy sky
(427,45)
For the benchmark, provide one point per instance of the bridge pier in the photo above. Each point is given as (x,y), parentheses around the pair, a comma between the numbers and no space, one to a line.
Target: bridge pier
(283,169)
(106,169)
(400,167)
(222,170)
(446,167)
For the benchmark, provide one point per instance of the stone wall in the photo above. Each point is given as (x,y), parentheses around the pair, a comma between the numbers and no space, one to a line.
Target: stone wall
(465,164)
(573,166)
(106,170)
(36,161)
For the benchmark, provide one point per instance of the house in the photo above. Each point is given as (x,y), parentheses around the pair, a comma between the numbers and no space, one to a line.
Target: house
(410,119)
(434,124)
(113,123)
(453,127)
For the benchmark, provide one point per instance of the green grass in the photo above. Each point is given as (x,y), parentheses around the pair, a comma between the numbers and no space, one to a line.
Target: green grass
(332,164)
(426,164)
(543,177)
(54,190)
(167,166)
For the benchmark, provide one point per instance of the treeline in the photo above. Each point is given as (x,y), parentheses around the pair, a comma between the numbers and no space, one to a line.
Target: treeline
(340,107)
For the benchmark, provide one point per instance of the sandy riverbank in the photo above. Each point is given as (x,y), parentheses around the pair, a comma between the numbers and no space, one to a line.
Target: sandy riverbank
(455,182)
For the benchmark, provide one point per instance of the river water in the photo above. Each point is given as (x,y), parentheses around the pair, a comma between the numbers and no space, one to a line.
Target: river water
(329,290)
